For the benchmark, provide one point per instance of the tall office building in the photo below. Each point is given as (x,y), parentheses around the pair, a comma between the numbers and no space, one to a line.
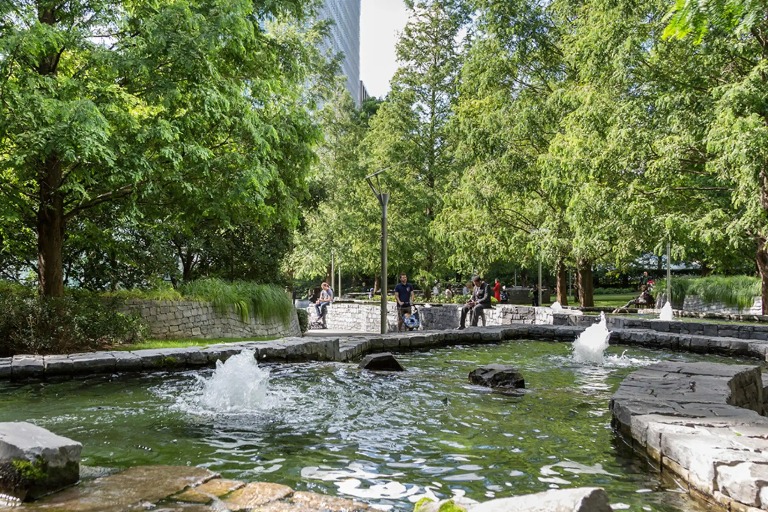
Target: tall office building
(345,39)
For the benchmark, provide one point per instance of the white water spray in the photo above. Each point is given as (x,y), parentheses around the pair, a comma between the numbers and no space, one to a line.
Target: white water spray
(237,385)
(590,345)
(666,312)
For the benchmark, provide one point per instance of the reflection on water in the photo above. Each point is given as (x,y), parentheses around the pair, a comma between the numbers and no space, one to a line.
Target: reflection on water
(388,439)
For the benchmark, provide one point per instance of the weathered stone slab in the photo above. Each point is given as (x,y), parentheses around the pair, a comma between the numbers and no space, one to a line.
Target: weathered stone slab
(93,362)
(25,366)
(705,419)
(35,462)
(314,501)
(206,492)
(584,499)
(5,367)
(256,494)
(743,482)
(126,361)
(126,491)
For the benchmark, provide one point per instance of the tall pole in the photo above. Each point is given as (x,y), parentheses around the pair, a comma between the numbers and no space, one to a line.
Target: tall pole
(339,288)
(669,273)
(539,283)
(332,275)
(383,201)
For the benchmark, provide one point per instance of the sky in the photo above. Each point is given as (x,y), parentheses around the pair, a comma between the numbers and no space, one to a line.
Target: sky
(380,23)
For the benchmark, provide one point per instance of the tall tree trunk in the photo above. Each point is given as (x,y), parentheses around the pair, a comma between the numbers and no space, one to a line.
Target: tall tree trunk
(50,213)
(761,259)
(50,229)
(562,283)
(586,287)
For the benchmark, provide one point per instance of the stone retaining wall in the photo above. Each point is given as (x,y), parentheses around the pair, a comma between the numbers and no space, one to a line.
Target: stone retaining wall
(191,319)
(701,423)
(744,331)
(696,304)
(363,316)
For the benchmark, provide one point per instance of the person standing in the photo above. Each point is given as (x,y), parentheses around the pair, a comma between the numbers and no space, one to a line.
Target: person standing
(481,299)
(325,299)
(497,290)
(405,297)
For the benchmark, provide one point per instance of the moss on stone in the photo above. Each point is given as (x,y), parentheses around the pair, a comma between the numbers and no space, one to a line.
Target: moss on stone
(451,506)
(31,471)
(421,504)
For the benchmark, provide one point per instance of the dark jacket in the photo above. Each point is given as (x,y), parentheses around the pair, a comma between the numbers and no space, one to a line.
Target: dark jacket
(482,294)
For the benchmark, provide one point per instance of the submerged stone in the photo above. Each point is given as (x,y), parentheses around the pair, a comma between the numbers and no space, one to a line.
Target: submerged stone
(383,362)
(497,376)
(129,490)
(35,462)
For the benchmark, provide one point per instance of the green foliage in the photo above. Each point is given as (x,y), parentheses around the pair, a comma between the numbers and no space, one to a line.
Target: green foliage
(188,130)
(733,291)
(615,291)
(79,321)
(303,320)
(247,300)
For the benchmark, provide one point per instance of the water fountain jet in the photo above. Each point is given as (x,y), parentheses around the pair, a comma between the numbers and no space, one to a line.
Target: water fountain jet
(591,344)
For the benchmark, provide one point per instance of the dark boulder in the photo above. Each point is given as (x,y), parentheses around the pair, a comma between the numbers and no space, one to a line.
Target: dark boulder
(384,362)
(497,376)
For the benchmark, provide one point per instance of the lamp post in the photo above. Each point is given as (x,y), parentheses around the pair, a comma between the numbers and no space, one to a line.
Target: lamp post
(383,201)
(669,272)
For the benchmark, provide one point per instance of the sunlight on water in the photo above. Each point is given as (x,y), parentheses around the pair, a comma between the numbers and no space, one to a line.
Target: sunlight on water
(590,345)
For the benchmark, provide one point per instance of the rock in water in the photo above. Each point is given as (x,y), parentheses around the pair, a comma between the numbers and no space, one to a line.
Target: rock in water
(35,462)
(497,376)
(383,362)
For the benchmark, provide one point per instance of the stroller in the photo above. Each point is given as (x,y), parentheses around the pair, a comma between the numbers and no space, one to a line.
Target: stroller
(411,321)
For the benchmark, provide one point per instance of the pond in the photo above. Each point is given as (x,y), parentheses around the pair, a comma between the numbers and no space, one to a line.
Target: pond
(388,439)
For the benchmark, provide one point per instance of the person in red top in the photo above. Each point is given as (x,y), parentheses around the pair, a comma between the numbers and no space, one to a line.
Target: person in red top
(497,290)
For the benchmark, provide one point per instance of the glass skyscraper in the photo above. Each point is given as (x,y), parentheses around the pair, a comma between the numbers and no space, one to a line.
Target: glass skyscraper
(345,39)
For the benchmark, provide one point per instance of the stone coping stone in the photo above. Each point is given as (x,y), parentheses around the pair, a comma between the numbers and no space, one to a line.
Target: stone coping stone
(349,348)
(703,423)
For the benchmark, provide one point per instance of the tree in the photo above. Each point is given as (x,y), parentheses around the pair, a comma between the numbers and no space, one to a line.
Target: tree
(185,104)
(409,135)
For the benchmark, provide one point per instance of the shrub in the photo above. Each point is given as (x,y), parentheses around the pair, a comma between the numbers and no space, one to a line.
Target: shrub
(733,291)
(247,300)
(79,321)
(303,319)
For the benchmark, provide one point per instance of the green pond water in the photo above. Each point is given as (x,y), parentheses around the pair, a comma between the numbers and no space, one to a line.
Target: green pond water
(388,439)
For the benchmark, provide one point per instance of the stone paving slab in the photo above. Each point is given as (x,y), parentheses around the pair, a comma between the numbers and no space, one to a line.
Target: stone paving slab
(703,423)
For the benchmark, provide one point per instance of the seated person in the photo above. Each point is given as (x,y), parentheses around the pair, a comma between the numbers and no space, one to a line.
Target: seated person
(321,306)
(645,299)
(481,299)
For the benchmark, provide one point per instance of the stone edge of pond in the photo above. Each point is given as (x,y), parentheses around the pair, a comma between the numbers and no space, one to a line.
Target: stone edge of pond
(702,424)
(352,347)
(199,489)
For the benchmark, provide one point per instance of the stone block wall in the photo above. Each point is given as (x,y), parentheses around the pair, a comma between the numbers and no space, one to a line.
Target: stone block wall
(695,304)
(366,316)
(191,319)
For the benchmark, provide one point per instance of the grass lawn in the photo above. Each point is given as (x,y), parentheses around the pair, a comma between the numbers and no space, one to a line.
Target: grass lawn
(155,344)
(614,300)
